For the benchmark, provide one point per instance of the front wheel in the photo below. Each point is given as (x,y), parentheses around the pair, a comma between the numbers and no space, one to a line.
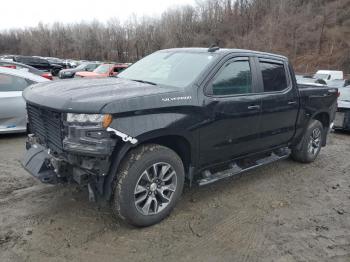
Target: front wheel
(55,72)
(149,183)
(311,143)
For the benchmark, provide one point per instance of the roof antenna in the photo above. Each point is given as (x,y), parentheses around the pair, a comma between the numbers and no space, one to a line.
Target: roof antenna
(213,48)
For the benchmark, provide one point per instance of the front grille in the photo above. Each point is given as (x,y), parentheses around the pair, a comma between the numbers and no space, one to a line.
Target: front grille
(47,126)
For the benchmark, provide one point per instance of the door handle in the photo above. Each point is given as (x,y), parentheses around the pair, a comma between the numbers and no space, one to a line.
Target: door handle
(292,102)
(253,107)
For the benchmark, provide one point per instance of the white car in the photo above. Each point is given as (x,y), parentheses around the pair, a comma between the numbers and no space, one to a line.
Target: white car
(13,115)
(328,75)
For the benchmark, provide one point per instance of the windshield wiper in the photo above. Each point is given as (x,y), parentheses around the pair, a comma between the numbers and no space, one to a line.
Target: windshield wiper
(143,81)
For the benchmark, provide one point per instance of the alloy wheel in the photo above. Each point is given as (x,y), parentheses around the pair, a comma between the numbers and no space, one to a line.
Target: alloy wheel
(155,188)
(315,141)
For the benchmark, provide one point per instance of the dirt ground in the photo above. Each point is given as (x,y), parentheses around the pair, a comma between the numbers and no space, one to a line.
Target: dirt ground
(282,212)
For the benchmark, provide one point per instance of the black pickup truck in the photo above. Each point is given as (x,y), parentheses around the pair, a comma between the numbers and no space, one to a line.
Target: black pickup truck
(39,63)
(190,114)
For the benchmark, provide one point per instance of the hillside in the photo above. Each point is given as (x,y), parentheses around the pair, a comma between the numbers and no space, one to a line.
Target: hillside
(313,33)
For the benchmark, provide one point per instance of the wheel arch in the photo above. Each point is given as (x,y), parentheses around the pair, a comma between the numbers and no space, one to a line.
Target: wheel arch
(324,118)
(180,142)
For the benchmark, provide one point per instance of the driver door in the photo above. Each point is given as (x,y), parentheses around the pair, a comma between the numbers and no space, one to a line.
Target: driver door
(233,105)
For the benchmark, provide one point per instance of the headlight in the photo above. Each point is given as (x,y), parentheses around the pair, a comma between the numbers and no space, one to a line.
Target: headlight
(95,119)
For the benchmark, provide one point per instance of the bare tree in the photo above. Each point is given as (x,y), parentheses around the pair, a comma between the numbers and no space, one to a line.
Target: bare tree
(311,32)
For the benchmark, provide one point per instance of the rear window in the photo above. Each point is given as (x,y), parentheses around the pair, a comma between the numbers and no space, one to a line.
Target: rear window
(10,83)
(274,76)
(118,69)
(322,76)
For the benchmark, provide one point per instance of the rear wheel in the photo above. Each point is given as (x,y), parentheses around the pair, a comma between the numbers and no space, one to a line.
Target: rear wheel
(311,143)
(148,185)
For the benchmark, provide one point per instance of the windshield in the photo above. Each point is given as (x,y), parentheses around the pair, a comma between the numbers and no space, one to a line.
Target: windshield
(321,76)
(103,69)
(344,94)
(177,69)
(81,66)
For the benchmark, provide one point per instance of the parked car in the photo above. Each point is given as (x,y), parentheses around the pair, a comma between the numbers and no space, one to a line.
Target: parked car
(194,113)
(339,83)
(39,63)
(13,116)
(342,117)
(328,75)
(7,57)
(103,70)
(19,66)
(70,73)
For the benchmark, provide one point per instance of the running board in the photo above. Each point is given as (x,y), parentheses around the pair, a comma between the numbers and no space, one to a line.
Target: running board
(235,168)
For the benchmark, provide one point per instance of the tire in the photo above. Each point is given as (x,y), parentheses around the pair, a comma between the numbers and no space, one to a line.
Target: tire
(139,198)
(55,72)
(311,143)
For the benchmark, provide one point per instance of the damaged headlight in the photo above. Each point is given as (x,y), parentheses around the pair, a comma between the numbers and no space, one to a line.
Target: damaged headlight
(103,120)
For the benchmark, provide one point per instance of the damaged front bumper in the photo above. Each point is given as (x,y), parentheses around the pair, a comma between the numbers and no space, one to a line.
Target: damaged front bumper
(84,157)
(38,162)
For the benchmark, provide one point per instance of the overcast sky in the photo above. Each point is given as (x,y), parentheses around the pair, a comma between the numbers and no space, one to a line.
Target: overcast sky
(26,13)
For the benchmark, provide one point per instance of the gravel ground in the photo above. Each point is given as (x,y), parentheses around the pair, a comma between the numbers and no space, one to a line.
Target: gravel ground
(282,212)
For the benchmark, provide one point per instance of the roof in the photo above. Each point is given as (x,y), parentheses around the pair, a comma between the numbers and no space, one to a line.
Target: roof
(23,74)
(328,71)
(223,51)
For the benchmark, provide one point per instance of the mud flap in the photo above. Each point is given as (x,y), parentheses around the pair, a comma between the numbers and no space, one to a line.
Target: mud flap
(37,162)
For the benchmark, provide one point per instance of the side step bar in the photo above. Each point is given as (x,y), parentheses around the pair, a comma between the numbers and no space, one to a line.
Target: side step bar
(236,168)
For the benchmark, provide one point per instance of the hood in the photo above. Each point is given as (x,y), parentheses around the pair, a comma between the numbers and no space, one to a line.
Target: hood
(93,95)
(88,74)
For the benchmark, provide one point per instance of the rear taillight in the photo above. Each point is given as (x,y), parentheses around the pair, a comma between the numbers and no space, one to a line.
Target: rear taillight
(47,75)
(338,94)
(10,66)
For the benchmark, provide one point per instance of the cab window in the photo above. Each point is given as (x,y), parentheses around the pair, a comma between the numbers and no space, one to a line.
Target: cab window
(274,76)
(234,79)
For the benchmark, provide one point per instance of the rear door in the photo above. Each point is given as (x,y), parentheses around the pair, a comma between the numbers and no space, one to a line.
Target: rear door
(233,108)
(280,102)
(13,114)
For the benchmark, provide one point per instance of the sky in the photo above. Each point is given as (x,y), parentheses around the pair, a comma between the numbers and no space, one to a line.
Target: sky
(27,13)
